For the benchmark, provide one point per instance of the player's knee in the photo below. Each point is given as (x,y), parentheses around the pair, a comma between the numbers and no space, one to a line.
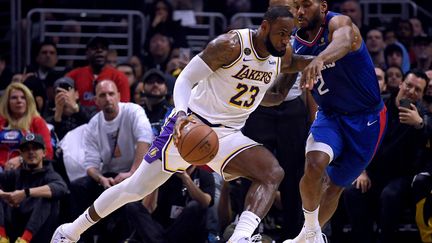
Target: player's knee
(314,168)
(275,175)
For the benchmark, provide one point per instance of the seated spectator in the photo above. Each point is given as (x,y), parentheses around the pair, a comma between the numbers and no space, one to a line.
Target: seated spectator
(422,47)
(137,90)
(382,192)
(18,116)
(159,52)
(155,94)
(381,79)
(86,77)
(393,55)
(112,57)
(352,9)
(394,77)
(375,45)
(161,19)
(29,206)
(137,64)
(176,212)
(68,113)
(46,61)
(391,37)
(129,71)
(417,27)
(427,98)
(117,138)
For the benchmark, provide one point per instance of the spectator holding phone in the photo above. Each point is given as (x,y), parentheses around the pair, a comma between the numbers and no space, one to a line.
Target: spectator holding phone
(68,113)
(384,189)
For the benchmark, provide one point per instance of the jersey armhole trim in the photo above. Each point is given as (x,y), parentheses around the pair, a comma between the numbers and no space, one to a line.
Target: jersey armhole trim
(241,52)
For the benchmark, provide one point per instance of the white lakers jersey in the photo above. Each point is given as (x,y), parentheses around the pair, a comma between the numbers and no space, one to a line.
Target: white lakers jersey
(231,93)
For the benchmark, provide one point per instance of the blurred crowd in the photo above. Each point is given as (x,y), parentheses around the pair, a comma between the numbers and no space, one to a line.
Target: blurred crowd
(67,135)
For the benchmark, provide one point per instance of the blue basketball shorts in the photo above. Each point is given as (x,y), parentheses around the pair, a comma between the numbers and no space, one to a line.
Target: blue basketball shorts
(350,140)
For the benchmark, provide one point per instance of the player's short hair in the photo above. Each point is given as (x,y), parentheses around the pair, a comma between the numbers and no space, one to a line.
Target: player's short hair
(278,11)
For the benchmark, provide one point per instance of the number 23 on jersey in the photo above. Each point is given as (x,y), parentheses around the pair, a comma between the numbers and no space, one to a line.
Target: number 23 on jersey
(244,90)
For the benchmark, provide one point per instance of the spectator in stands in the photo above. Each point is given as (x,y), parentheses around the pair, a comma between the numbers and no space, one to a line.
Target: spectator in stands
(159,53)
(137,64)
(18,116)
(179,59)
(46,61)
(137,90)
(161,20)
(405,35)
(427,98)
(117,138)
(86,77)
(383,190)
(43,76)
(68,113)
(352,9)
(394,77)
(391,37)
(422,47)
(5,74)
(375,45)
(29,207)
(176,212)
(112,57)
(156,105)
(129,71)
(393,55)
(417,27)
(381,79)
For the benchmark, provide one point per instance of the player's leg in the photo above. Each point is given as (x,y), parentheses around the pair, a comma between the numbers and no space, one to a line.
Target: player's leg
(261,167)
(144,180)
(348,159)
(323,145)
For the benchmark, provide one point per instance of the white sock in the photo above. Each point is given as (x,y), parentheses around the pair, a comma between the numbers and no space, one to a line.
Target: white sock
(311,218)
(246,225)
(81,224)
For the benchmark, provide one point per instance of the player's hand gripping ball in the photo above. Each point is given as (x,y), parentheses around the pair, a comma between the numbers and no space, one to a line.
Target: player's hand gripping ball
(198,143)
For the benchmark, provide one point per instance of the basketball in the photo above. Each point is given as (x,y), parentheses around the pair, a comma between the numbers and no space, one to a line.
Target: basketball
(198,144)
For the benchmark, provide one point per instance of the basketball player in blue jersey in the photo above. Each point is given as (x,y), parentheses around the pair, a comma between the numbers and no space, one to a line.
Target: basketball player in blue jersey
(351,118)
(220,87)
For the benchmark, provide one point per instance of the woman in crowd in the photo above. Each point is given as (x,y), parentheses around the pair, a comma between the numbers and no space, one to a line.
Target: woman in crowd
(18,116)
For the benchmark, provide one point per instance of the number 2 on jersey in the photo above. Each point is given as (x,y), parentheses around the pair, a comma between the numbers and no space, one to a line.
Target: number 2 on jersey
(242,90)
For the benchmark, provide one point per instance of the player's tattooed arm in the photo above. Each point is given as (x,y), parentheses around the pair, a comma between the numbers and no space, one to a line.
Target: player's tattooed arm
(277,93)
(223,50)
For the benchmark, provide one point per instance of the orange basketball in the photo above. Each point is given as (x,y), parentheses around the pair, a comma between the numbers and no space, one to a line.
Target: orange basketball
(198,144)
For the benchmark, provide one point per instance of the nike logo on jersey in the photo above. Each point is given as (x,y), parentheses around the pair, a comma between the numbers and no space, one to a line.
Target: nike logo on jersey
(298,49)
(272,63)
(246,60)
(371,123)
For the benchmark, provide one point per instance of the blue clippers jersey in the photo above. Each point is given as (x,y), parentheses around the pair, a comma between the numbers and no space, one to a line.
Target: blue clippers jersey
(349,85)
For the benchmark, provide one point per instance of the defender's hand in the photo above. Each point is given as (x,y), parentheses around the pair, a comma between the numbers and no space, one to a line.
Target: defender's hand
(311,73)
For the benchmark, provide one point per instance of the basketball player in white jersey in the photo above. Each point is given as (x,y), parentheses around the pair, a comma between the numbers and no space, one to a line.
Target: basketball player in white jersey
(220,87)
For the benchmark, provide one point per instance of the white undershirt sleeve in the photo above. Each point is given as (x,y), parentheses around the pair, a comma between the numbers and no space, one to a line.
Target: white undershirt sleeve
(194,72)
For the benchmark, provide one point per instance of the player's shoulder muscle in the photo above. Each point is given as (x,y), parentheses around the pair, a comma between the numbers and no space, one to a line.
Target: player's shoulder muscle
(223,50)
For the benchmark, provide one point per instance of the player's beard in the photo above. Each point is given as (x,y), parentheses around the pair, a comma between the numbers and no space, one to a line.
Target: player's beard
(314,21)
(271,49)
